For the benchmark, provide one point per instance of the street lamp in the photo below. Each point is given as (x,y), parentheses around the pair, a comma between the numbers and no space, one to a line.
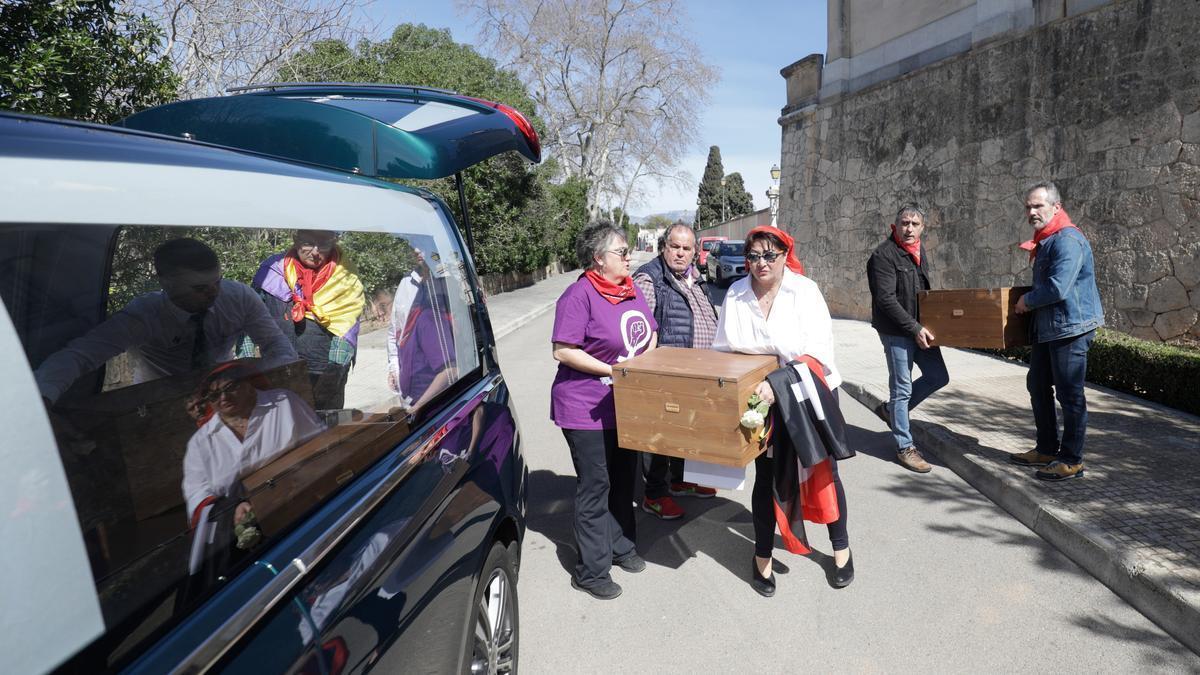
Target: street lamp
(773,194)
(723,216)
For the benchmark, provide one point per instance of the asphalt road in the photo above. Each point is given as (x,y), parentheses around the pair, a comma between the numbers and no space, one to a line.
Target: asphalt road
(946,581)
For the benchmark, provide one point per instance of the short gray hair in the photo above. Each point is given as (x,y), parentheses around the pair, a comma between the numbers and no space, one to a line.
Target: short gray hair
(910,207)
(593,240)
(662,241)
(1052,193)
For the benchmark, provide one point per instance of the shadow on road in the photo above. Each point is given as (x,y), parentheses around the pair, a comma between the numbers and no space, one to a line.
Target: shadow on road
(720,528)
(1160,650)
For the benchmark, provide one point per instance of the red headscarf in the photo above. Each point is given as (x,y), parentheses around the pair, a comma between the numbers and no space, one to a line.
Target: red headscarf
(913,249)
(1060,221)
(793,263)
(231,370)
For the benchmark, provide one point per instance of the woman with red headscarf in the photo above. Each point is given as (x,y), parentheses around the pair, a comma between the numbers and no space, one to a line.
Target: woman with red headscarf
(777,310)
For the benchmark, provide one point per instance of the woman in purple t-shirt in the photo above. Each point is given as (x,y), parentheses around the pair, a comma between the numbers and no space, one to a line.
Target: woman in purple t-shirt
(601,319)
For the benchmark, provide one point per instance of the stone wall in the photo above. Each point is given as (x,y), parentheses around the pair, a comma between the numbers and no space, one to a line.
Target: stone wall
(1106,104)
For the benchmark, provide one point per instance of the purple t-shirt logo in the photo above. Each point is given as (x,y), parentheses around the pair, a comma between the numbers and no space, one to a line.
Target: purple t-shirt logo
(635,331)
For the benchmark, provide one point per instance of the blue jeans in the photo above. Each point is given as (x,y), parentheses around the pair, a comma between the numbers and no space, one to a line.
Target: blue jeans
(901,352)
(1057,369)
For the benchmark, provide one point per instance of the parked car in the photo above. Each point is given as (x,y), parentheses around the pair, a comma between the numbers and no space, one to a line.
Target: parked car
(167,512)
(706,245)
(726,262)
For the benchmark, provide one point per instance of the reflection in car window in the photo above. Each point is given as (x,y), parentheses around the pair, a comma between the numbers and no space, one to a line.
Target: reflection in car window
(318,301)
(208,387)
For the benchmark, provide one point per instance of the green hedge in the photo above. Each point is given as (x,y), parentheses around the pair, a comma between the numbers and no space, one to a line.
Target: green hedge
(1158,372)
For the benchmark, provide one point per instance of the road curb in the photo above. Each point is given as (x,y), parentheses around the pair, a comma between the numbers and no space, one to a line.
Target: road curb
(513,324)
(1147,590)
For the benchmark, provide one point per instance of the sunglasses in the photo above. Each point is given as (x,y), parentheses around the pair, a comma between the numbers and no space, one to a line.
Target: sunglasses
(769,256)
(321,246)
(620,252)
(215,394)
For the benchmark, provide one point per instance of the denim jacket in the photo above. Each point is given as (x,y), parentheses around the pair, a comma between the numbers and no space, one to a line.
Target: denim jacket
(1064,299)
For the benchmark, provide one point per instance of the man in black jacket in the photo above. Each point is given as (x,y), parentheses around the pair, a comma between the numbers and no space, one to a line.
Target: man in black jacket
(679,299)
(896,272)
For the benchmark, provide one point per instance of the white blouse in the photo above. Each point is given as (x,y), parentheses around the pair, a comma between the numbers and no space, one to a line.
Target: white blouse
(216,459)
(799,322)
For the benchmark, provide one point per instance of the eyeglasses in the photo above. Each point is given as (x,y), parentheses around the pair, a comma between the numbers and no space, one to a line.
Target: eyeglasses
(769,256)
(620,252)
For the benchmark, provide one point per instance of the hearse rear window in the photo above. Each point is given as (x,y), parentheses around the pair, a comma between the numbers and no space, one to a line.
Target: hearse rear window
(207,387)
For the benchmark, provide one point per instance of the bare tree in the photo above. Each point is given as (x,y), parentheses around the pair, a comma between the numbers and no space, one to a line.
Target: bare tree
(618,83)
(649,152)
(216,44)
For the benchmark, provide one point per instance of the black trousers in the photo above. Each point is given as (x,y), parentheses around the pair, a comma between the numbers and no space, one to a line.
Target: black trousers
(762,508)
(660,471)
(605,524)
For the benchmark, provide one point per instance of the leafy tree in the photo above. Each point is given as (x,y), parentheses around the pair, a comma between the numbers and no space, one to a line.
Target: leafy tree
(81,59)
(738,201)
(515,212)
(708,210)
(568,202)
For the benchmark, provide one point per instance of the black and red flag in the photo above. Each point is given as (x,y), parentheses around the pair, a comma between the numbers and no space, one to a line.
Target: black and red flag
(807,433)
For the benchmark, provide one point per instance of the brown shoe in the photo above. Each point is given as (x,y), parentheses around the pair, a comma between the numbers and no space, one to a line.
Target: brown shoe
(911,459)
(1060,471)
(1031,458)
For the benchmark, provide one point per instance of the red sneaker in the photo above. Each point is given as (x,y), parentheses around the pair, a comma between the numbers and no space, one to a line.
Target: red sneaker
(682,489)
(663,507)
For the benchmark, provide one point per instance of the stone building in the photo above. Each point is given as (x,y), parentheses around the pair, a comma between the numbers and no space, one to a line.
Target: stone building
(960,104)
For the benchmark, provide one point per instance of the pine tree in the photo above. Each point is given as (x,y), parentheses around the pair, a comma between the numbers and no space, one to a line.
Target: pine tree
(708,208)
(738,201)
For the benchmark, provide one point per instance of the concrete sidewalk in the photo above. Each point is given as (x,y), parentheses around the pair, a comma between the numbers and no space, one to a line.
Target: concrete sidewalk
(513,309)
(1133,519)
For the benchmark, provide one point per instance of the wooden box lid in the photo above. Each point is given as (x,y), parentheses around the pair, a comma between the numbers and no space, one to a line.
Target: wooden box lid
(701,364)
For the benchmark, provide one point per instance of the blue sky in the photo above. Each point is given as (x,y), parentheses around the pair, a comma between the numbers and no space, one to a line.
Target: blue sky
(748,41)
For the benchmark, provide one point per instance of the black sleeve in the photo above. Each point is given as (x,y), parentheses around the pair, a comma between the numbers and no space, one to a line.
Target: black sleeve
(881,277)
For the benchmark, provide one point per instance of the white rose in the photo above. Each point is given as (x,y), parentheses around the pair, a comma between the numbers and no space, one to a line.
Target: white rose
(752,419)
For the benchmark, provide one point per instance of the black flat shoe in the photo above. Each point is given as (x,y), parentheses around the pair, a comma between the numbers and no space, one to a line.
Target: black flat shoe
(842,576)
(764,586)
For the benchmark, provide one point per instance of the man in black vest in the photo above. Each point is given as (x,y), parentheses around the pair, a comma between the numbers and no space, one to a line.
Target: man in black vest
(899,269)
(686,318)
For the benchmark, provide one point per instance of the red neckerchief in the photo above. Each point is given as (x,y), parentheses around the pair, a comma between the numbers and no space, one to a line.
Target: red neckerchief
(793,263)
(913,249)
(308,282)
(1060,221)
(610,291)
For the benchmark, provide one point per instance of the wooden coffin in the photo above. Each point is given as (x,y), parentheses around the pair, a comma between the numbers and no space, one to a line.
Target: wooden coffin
(975,317)
(688,403)
(299,479)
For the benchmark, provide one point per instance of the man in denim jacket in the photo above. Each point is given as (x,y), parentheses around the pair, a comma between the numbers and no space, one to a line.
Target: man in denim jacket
(1066,313)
